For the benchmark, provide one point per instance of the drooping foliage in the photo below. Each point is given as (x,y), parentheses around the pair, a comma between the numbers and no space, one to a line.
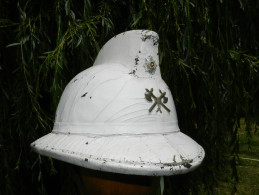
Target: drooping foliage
(208,56)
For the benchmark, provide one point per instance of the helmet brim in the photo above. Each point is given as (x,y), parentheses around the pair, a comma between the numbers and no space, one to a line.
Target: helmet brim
(149,154)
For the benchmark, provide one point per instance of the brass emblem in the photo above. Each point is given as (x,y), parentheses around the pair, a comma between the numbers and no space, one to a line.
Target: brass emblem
(150,65)
(159,101)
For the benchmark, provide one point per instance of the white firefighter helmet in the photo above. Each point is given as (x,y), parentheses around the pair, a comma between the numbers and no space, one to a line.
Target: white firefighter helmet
(119,115)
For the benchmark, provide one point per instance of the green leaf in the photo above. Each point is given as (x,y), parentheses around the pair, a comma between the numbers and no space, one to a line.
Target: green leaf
(79,40)
(13,44)
(162,185)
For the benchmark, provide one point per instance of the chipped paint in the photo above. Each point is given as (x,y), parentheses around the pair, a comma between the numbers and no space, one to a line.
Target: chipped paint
(136,60)
(133,72)
(84,94)
(154,38)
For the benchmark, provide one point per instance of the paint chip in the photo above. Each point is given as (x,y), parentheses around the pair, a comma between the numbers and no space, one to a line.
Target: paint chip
(84,94)
(187,165)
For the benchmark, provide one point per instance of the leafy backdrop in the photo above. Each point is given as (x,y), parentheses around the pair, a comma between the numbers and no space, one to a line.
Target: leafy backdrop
(208,56)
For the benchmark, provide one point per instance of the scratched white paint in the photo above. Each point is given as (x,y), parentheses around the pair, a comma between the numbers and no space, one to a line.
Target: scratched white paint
(103,120)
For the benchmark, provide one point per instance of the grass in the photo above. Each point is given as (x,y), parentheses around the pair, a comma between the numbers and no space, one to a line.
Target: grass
(247,166)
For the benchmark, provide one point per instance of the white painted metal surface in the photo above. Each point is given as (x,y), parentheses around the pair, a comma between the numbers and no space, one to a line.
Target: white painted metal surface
(119,115)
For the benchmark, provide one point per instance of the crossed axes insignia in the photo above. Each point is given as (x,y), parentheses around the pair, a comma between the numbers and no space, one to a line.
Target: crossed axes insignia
(159,101)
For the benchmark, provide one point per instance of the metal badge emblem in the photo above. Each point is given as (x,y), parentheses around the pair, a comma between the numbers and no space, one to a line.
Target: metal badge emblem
(159,101)
(150,65)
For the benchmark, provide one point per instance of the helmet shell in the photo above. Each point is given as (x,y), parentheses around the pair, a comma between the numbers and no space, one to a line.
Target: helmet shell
(119,115)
